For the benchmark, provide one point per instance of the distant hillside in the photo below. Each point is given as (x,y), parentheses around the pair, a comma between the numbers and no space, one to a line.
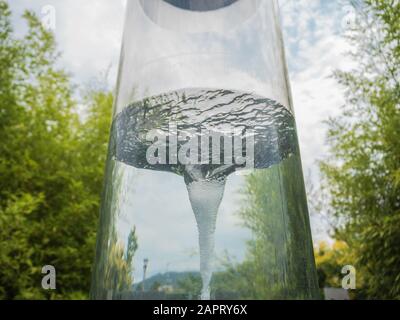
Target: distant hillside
(181,285)
(167,279)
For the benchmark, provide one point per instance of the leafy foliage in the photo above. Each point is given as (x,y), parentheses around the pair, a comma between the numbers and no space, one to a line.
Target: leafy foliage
(51,167)
(362,173)
(330,260)
(279,260)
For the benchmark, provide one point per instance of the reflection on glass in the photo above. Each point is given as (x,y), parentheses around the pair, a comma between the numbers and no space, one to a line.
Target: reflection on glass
(204,194)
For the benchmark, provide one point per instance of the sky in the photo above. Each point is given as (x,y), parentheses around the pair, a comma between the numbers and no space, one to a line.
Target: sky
(89,35)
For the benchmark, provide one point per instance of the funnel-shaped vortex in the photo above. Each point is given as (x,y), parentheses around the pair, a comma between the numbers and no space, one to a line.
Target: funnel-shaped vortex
(224,110)
(205,198)
(207,76)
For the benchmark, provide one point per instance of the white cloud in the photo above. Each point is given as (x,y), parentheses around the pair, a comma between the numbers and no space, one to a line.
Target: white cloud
(313,29)
(90,32)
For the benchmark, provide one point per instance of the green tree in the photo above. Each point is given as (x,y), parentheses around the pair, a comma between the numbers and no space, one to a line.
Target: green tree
(119,275)
(191,285)
(51,167)
(362,173)
(330,260)
(279,262)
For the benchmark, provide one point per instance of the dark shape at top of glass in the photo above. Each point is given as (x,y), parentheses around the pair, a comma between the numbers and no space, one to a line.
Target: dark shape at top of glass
(200,5)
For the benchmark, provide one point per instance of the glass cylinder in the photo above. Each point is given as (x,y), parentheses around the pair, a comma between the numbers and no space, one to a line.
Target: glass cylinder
(204,194)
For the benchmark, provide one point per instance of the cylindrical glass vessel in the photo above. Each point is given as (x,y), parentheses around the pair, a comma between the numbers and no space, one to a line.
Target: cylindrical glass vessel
(204,194)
